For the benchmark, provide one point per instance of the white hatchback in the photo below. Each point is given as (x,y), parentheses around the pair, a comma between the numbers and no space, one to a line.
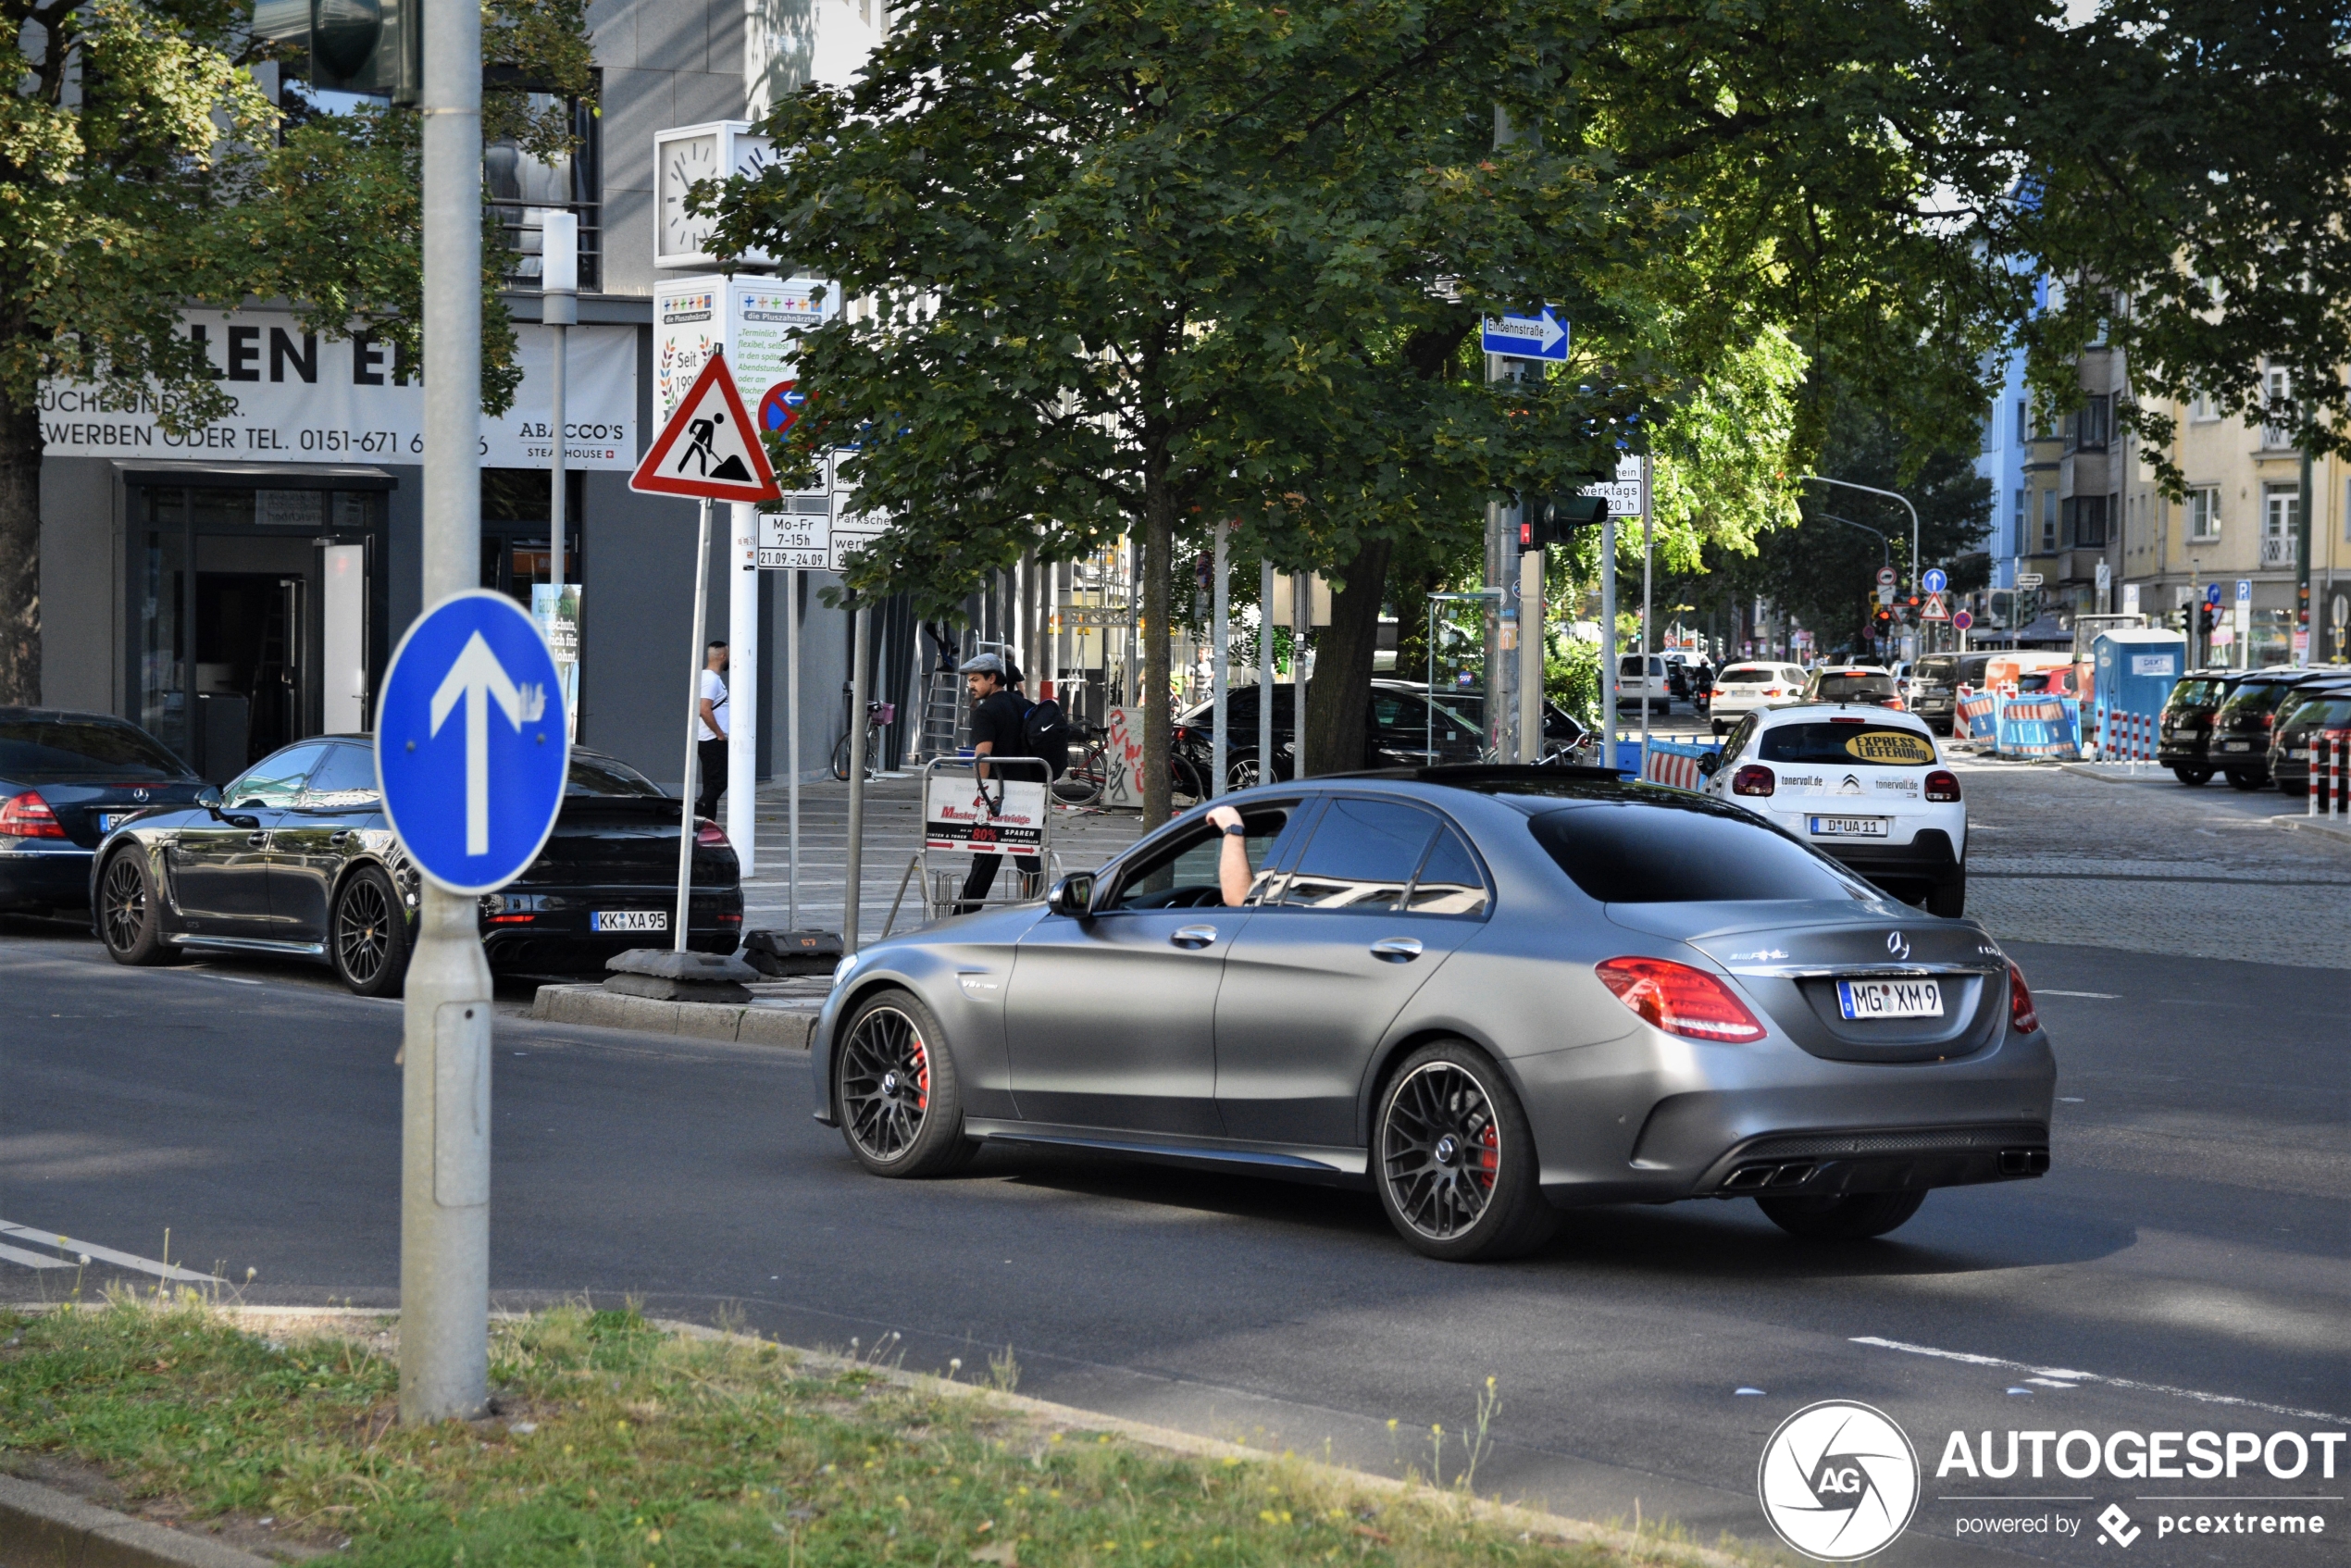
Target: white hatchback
(1864,784)
(1741,689)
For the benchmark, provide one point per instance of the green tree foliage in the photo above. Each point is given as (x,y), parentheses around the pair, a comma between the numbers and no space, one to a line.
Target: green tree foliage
(142,170)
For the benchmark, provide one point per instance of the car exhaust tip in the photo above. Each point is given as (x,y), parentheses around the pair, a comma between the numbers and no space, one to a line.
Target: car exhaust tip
(2024,1162)
(1757,1179)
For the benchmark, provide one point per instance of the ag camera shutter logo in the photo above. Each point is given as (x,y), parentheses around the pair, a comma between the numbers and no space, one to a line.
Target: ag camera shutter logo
(1838,1481)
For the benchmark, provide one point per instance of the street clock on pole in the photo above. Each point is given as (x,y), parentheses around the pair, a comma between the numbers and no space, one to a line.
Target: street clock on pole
(684,158)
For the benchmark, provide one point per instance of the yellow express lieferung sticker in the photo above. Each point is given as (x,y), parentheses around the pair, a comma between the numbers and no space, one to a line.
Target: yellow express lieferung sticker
(1891,748)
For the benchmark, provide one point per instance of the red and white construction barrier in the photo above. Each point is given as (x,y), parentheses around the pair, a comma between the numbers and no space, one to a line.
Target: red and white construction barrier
(2330,761)
(2127,736)
(1676,769)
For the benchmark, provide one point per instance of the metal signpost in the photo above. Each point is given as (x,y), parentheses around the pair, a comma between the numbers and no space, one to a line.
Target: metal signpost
(1219,647)
(709,450)
(471,757)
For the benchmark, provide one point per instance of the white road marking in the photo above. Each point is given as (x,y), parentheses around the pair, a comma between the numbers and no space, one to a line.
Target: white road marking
(107,1255)
(2093,996)
(33,1260)
(2075,1378)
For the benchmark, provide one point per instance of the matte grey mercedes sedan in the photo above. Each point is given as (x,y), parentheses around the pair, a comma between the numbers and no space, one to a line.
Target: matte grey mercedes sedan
(1487,993)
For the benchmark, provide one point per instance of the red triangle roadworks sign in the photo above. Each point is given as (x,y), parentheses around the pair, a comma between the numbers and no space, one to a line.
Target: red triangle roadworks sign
(710,448)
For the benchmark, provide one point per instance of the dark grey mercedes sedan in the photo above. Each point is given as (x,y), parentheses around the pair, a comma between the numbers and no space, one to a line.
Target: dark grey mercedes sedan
(1487,993)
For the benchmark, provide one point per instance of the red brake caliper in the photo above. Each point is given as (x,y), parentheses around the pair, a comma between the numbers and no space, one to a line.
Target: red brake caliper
(1489,1155)
(922,1077)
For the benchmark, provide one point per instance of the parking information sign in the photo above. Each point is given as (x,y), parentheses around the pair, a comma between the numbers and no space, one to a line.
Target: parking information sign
(470,750)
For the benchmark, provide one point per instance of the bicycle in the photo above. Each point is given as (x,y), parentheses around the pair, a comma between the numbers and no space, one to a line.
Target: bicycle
(1089,769)
(878,717)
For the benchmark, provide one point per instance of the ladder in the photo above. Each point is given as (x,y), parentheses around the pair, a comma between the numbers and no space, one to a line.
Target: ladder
(942,714)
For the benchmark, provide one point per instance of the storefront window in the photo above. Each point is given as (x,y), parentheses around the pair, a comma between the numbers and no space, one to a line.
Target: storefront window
(516,550)
(161,588)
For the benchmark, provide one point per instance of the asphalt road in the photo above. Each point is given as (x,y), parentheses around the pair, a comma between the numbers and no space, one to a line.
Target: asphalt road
(2182,1268)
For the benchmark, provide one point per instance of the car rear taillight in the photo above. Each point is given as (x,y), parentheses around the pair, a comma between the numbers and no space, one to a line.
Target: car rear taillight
(1754,779)
(1896,703)
(1942,786)
(29,817)
(707,834)
(1680,999)
(2022,1016)
(1772,692)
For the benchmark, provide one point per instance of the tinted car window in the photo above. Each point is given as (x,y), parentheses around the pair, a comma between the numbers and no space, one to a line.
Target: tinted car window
(2254,697)
(52,750)
(1941,667)
(2329,712)
(1841,745)
(1840,688)
(344,778)
(1693,852)
(1182,874)
(1972,667)
(275,780)
(1744,677)
(594,775)
(1362,855)
(2196,695)
(1449,882)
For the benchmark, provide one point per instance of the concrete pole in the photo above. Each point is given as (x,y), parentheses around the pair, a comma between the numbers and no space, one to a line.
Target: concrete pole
(1220,644)
(791,749)
(1265,672)
(742,689)
(857,699)
(693,722)
(444,1114)
(1530,655)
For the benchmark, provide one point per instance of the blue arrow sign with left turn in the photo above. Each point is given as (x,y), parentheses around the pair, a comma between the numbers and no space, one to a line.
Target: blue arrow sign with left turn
(470,749)
(1526,337)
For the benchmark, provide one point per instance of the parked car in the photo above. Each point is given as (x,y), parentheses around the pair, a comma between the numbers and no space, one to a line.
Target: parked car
(66,778)
(2184,729)
(1868,789)
(2240,738)
(1938,683)
(1743,688)
(2060,680)
(1564,737)
(1401,727)
(1872,684)
(2317,709)
(1425,993)
(295,857)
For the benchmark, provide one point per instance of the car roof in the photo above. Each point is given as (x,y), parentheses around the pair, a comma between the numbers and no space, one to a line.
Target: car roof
(1859,713)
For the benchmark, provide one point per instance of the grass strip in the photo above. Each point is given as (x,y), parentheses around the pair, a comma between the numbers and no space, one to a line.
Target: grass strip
(618,1445)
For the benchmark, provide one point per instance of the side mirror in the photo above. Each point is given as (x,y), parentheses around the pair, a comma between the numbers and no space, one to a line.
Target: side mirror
(209,798)
(1709,763)
(1073,896)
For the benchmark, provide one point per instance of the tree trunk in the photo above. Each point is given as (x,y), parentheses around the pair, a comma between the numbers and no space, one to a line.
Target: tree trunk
(19,556)
(1339,694)
(1159,721)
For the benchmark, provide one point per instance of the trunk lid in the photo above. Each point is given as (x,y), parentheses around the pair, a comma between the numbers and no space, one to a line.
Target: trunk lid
(88,812)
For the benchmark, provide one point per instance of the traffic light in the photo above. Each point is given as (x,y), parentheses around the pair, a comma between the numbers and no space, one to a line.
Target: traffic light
(2206,618)
(1550,519)
(370,46)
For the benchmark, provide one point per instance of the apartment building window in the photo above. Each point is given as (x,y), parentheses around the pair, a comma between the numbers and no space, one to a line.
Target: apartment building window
(2086,522)
(1985,430)
(2281,518)
(2203,409)
(2092,423)
(2023,420)
(2276,389)
(521,189)
(2023,519)
(2204,515)
(2048,522)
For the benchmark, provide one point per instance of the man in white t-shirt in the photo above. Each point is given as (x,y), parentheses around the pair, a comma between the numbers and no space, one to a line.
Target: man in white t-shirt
(710,731)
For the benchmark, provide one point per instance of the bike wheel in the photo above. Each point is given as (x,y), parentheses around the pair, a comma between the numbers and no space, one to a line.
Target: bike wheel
(1082,784)
(840,759)
(1185,787)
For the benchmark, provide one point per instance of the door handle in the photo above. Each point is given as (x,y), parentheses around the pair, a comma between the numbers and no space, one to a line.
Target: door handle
(1396,949)
(340,836)
(1193,937)
(256,840)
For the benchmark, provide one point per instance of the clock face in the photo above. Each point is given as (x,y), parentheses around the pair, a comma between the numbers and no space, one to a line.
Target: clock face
(684,162)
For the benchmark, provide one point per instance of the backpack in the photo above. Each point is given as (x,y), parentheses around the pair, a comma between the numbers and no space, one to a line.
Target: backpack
(1047,734)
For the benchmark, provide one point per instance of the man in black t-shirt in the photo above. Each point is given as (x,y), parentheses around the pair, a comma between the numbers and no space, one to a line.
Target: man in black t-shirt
(997,717)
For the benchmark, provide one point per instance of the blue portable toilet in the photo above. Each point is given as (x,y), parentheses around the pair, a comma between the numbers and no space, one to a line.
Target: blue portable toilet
(2134,670)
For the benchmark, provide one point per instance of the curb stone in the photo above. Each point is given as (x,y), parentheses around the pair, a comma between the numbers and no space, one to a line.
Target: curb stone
(42,1527)
(750,1025)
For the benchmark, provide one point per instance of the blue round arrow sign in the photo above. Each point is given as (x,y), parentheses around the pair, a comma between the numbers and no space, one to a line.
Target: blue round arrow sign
(470,749)
(1932,580)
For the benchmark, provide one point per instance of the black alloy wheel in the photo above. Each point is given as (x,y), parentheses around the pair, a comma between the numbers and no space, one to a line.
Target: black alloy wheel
(1854,1217)
(1240,773)
(2239,778)
(1457,1169)
(899,1104)
(2192,776)
(128,921)
(368,935)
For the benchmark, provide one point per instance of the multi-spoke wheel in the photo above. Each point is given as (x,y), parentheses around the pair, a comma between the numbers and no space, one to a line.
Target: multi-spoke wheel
(128,921)
(895,1087)
(1456,1160)
(369,934)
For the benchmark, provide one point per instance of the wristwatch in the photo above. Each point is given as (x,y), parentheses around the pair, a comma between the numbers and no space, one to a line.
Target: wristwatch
(1237,830)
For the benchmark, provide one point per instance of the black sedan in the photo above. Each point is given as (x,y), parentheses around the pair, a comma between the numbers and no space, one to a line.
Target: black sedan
(297,858)
(1485,994)
(66,779)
